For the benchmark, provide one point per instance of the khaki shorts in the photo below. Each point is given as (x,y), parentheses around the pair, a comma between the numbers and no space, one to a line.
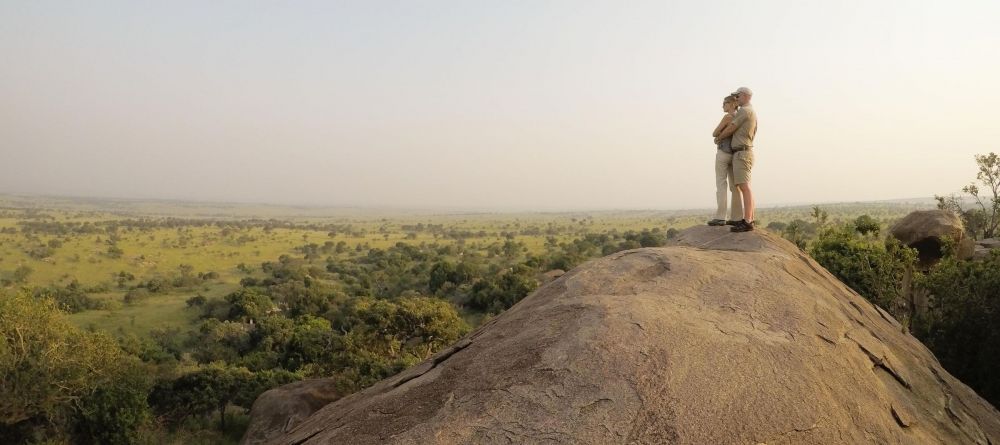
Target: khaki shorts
(742,163)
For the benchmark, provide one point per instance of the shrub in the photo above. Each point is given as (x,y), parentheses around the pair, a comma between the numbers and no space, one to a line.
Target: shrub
(866,225)
(196,301)
(962,324)
(135,295)
(495,294)
(873,269)
(52,372)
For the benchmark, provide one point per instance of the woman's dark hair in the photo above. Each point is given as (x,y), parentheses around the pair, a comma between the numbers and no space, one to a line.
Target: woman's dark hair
(729,98)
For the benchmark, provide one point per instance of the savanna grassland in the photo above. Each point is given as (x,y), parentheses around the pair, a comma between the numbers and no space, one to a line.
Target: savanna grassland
(204,306)
(102,242)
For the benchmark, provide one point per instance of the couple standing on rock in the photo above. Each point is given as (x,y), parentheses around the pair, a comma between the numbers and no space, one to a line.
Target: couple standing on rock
(734,159)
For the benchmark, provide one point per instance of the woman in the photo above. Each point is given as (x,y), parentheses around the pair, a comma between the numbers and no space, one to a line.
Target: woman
(724,169)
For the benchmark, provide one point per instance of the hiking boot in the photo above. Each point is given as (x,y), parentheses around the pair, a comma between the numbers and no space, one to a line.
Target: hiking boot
(717,222)
(742,226)
(731,222)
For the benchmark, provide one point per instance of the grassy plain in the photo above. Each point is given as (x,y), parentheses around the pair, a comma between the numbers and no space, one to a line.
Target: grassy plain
(159,252)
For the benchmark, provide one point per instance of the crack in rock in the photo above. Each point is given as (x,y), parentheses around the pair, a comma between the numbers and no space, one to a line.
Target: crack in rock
(435,362)
(881,361)
(903,418)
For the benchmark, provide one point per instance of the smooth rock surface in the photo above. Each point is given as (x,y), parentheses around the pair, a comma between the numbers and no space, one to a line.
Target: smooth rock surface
(721,338)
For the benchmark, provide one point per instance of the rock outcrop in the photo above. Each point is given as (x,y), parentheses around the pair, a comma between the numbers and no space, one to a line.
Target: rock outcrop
(989,243)
(925,230)
(277,411)
(721,338)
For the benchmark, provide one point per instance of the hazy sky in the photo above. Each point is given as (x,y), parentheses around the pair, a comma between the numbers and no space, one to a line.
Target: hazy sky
(504,104)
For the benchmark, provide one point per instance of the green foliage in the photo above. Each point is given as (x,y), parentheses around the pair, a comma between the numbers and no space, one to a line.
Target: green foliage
(444,272)
(497,293)
(820,216)
(798,232)
(983,220)
(114,251)
(135,295)
(777,226)
(116,411)
(219,341)
(21,274)
(213,388)
(196,301)
(962,324)
(71,298)
(41,252)
(248,304)
(866,225)
(52,373)
(873,269)
(417,325)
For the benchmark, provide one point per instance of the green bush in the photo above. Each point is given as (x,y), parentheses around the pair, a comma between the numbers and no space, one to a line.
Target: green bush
(962,324)
(114,412)
(495,294)
(866,225)
(873,269)
(136,295)
(248,304)
(212,389)
(53,376)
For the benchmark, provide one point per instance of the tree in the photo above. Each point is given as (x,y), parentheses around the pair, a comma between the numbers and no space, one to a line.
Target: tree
(115,411)
(212,389)
(866,225)
(52,372)
(248,304)
(984,220)
(796,232)
(820,216)
(989,176)
(777,226)
(497,293)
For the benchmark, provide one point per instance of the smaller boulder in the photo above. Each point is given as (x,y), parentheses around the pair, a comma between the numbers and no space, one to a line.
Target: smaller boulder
(981,253)
(926,230)
(989,243)
(277,411)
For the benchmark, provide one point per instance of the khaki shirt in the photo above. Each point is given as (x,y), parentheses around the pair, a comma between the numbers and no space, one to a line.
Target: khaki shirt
(746,127)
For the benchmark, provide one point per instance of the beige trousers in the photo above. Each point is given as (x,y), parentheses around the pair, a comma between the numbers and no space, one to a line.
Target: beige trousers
(724,182)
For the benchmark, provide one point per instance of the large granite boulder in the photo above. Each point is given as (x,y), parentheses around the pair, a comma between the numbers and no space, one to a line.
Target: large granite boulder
(925,230)
(278,410)
(721,338)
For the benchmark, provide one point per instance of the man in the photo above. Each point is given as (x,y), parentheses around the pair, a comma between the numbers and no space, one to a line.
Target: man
(743,128)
